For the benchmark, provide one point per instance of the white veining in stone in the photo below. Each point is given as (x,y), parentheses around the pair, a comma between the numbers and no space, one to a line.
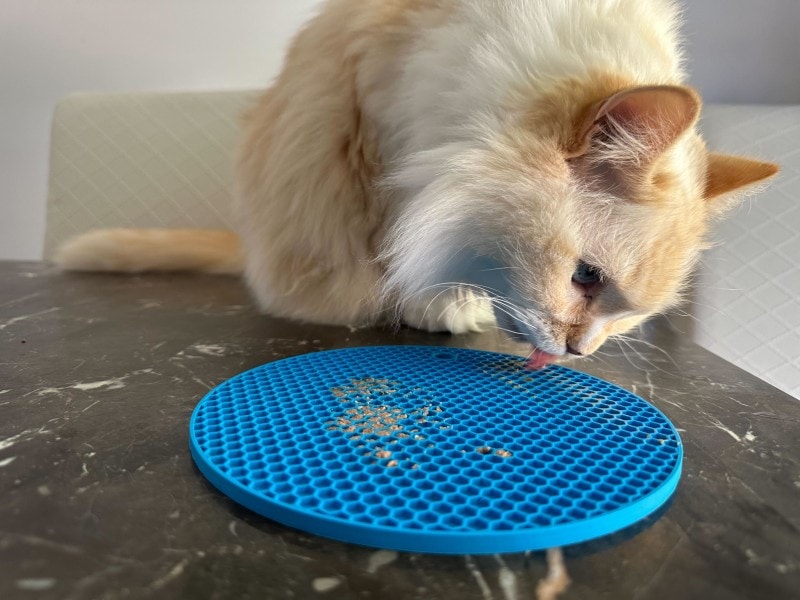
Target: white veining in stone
(380,559)
(718,425)
(506,580)
(10,441)
(173,573)
(38,584)
(15,320)
(210,349)
(325,584)
(114,383)
(486,591)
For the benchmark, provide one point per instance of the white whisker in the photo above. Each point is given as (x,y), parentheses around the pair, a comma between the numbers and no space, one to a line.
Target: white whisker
(648,344)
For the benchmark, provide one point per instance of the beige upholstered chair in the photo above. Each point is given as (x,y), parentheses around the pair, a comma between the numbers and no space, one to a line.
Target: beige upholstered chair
(141,160)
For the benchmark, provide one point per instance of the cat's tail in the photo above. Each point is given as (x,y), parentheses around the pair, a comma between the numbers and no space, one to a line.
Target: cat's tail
(140,250)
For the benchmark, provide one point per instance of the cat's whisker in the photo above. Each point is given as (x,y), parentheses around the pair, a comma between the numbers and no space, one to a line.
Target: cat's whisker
(622,340)
(685,315)
(434,299)
(427,288)
(463,302)
(511,311)
(630,340)
(625,354)
(500,305)
(642,357)
(598,355)
(716,309)
(479,292)
(513,334)
(502,309)
(506,268)
(723,289)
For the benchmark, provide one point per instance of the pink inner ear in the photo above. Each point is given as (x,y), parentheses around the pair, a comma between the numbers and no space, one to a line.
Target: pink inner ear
(656,115)
(624,112)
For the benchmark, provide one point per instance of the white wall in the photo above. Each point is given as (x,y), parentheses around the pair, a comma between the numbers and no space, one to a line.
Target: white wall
(49,48)
(741,50)
(745,51)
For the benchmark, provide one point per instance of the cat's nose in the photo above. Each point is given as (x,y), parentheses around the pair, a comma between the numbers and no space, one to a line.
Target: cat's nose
(572,350)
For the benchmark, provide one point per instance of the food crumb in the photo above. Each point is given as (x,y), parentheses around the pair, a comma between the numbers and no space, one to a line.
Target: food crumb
(503,453)
(383,454)
(391,463)
(484,450)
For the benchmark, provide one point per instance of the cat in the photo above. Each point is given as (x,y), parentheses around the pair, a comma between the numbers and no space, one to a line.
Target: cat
(531,165)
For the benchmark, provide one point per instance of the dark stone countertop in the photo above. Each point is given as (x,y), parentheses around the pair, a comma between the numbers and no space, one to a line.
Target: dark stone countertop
(99,497)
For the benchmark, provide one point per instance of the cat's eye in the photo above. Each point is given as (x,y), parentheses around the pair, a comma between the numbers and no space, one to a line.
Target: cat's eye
(586,274)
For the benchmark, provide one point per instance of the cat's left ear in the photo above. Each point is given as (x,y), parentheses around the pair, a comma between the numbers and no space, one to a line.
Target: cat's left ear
(650,118)
(728,176)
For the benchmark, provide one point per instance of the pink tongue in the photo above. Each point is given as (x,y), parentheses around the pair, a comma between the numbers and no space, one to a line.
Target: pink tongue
(539,360)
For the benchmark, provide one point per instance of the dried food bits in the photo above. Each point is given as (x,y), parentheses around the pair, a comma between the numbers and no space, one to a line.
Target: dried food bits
(436,450)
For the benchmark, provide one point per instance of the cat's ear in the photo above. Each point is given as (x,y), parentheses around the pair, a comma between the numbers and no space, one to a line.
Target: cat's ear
(644,120)
(728,176)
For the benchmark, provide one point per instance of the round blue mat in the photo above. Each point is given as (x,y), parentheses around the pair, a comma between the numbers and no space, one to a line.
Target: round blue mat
(434,449)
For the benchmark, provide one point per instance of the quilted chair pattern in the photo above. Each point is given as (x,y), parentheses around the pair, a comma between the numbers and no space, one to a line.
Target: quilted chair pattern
(141,160)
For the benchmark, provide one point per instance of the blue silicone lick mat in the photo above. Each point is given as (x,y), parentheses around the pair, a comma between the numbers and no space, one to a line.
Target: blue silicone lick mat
(432,449)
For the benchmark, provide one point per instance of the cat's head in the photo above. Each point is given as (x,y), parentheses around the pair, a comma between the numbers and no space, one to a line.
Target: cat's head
(582,217)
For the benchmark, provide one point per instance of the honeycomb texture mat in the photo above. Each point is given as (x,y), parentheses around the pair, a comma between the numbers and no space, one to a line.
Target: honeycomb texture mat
(433,449)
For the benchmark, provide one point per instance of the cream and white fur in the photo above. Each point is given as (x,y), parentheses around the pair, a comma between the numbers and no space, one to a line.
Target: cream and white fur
(439,160)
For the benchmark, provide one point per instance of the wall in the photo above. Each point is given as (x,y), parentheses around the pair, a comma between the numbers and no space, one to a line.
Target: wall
(49,48)
(744,51)
(741,51)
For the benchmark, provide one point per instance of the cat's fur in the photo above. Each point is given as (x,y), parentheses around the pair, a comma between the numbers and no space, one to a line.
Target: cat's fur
(415,157)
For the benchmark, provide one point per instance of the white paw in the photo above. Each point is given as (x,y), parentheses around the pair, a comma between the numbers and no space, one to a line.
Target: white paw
(457,311)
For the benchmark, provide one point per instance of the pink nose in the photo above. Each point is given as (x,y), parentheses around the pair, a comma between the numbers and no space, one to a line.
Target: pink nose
(572,350)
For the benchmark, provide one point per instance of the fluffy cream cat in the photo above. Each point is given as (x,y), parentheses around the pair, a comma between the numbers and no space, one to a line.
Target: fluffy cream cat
(458,163)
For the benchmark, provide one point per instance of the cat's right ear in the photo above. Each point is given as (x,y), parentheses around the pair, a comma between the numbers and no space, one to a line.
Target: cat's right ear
(645,120)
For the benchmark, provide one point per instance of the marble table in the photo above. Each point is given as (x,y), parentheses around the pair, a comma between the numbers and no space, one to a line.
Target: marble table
(99,497)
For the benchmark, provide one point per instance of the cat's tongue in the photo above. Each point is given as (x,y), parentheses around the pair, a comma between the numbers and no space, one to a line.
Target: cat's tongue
(539,360)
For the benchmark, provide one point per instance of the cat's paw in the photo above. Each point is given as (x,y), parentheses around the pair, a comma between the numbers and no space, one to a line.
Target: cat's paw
(457,311)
